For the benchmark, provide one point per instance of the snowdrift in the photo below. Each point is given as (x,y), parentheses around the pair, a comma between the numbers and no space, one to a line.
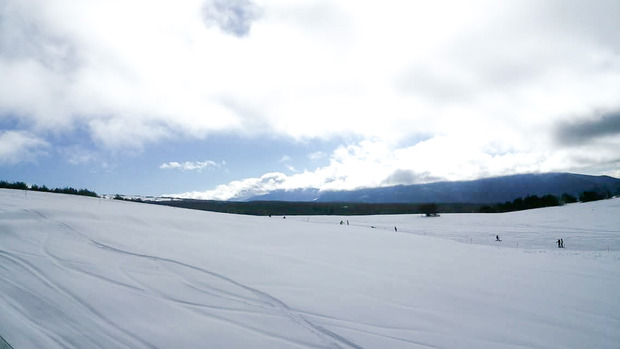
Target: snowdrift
(94,273)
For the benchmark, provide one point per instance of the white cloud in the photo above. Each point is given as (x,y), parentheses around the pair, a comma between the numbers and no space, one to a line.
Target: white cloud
(242,189)
(285,159)
(398,65)
(376,164)
(190,165)
(19,146)
(317,155)
(77,155)
(484,82)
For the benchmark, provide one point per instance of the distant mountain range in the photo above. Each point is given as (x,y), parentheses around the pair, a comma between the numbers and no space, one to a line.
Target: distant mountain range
(481,191)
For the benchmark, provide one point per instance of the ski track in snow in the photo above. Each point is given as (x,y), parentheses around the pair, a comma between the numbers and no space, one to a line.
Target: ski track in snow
(31,270)
(273,301)
(333,339)
(56,256)
(48,334)
(371,329)
(203,309)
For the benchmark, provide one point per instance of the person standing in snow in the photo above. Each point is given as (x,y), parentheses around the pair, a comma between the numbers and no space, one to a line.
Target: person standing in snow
(497,238)
(395,229)
(559,243)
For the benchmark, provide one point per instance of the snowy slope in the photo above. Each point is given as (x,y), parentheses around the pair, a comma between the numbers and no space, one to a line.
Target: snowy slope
(593,226)
(87,273)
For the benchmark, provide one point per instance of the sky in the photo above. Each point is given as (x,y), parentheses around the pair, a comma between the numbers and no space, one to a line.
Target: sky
(219,99)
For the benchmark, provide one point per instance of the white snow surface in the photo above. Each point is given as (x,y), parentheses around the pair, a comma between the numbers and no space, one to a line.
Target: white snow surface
(78,272)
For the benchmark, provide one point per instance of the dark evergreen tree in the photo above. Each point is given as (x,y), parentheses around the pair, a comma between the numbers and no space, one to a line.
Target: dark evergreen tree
(429,210)
(588,196)
(568,198)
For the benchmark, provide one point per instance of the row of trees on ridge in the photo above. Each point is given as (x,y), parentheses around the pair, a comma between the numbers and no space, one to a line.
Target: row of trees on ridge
(43,188)
(535,201)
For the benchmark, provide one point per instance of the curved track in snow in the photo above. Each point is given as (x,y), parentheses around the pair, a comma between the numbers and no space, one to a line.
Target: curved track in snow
(79,272)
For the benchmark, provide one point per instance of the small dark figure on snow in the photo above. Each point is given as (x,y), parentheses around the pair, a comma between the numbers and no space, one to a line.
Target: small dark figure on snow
(395,229)
(497,238)
(559,243)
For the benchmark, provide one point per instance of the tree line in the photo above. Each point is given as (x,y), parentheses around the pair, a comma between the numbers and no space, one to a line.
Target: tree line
(535,201)
(279,208)
(43,188)
(340,208)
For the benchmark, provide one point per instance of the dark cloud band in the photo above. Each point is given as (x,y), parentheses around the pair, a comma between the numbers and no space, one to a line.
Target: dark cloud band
(586,131)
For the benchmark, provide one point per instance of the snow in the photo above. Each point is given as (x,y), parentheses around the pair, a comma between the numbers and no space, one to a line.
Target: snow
(584,227)
(86,273)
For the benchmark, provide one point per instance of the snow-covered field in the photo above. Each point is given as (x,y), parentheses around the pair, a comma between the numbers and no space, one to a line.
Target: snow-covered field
(87,273)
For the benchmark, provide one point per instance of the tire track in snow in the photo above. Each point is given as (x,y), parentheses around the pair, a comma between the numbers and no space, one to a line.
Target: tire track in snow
(223,294)
(36,273)
(328,336)
(71,296)
(59,262)
(45,250)
(4,344)
(155,292)
(409,341)
(275,302)
(358,327)
(23,318)
(25,291)
(355,323)
(202,309)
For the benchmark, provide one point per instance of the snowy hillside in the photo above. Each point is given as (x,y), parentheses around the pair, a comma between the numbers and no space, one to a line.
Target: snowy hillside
(593,226)
(93,273)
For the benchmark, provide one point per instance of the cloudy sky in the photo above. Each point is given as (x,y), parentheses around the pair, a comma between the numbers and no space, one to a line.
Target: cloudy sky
(221,99)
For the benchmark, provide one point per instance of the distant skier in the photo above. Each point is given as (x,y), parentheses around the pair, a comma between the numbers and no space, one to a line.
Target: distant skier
(395,229)
(559,243)
(497,238)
